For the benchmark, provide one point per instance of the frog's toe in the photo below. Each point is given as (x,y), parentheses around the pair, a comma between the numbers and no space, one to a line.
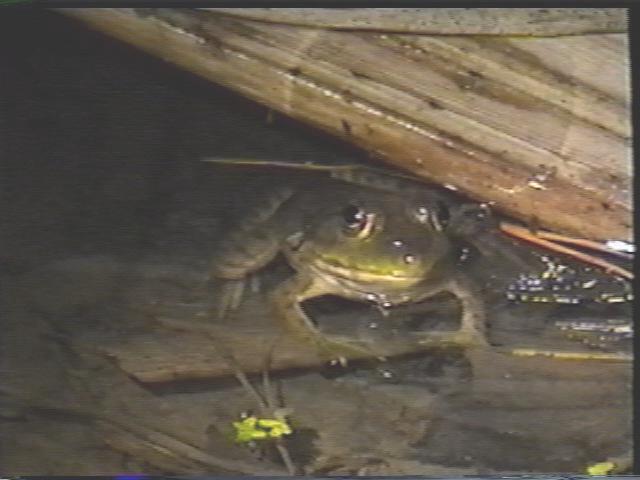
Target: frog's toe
(329,355)
(336,351)
(229,297)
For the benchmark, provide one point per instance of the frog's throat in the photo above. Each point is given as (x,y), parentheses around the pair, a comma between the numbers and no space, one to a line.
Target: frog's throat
(358,275)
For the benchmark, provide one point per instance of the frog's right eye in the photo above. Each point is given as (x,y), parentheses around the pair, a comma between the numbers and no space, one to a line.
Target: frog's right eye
(354,217)
(358,223)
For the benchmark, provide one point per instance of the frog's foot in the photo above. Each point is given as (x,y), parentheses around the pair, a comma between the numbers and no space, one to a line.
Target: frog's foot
(334,349)
(472,331)
(229,298)
(287,300)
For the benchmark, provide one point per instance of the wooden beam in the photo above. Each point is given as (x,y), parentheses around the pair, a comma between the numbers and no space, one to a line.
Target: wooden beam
(538,126)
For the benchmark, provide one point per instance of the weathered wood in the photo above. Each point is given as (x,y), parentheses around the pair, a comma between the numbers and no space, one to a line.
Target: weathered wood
(166,356)
(447,21)
(186,346)
(539,126)
(188,350)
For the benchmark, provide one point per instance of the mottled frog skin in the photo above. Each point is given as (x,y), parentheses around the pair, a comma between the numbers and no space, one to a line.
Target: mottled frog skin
(353,242)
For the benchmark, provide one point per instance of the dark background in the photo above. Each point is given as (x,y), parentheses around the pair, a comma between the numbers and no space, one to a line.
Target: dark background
(99,141)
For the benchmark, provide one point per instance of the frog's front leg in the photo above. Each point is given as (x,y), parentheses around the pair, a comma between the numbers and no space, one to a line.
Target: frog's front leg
(287,300)
(472,331)
(239,256)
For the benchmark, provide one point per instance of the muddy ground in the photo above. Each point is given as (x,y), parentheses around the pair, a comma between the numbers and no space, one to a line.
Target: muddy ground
(107,211)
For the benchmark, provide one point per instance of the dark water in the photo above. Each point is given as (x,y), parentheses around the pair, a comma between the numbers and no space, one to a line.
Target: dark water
(106,207)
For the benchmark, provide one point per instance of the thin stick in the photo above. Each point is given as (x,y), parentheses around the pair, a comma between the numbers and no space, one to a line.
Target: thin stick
(524,234)
(350,167)
(267,404)
(581,242)
(286,457)
(270,396)
(271,163)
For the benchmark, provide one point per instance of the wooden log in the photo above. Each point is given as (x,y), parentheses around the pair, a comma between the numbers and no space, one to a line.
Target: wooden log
(538,126)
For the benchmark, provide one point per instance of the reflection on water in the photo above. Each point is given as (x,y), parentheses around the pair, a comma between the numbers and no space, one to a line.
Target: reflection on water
(111,217)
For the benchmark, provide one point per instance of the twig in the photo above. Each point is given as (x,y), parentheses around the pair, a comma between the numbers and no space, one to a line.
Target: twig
(272,402)
(286,457)
(524,234)
(267,405)
(272,163)
(581,242)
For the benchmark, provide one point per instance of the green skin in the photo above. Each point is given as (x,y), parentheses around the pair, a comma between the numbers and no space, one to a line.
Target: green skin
(401,257)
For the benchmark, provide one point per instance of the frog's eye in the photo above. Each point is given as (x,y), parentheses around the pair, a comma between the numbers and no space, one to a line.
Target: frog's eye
(436,216)
(353,216)
(357,221)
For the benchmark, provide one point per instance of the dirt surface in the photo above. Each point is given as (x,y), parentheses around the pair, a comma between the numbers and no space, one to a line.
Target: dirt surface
(110,211)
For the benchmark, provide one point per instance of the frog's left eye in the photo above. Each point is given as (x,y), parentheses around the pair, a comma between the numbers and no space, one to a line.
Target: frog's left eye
(436,216)
(357,221)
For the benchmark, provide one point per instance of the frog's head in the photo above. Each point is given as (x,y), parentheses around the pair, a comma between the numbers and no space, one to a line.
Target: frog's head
(380,239)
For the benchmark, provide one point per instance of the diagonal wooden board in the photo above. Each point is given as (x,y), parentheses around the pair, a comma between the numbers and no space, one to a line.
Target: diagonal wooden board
(539,126)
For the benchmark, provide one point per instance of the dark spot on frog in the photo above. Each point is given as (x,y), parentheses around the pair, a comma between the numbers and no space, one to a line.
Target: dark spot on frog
(435,105)
(606,205)
(474,74)
(346,127)
(295,71)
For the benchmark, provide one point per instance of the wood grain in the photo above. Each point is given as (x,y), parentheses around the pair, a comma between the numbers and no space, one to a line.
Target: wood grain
(538,126)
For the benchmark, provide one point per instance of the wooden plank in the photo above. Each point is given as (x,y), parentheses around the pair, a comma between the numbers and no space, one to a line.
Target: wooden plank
(188,350)
(187,346)
(494,118)
(447,21)
(166,356)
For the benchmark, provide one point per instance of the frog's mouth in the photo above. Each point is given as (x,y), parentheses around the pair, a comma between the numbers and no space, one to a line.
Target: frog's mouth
(352,273)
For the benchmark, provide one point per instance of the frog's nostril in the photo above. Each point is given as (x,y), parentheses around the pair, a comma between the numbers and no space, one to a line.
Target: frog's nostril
(408,258)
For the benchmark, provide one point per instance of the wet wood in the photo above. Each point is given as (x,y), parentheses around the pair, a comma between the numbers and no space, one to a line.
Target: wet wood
(191,350)
(167,355)
(538,126)
(185,346)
